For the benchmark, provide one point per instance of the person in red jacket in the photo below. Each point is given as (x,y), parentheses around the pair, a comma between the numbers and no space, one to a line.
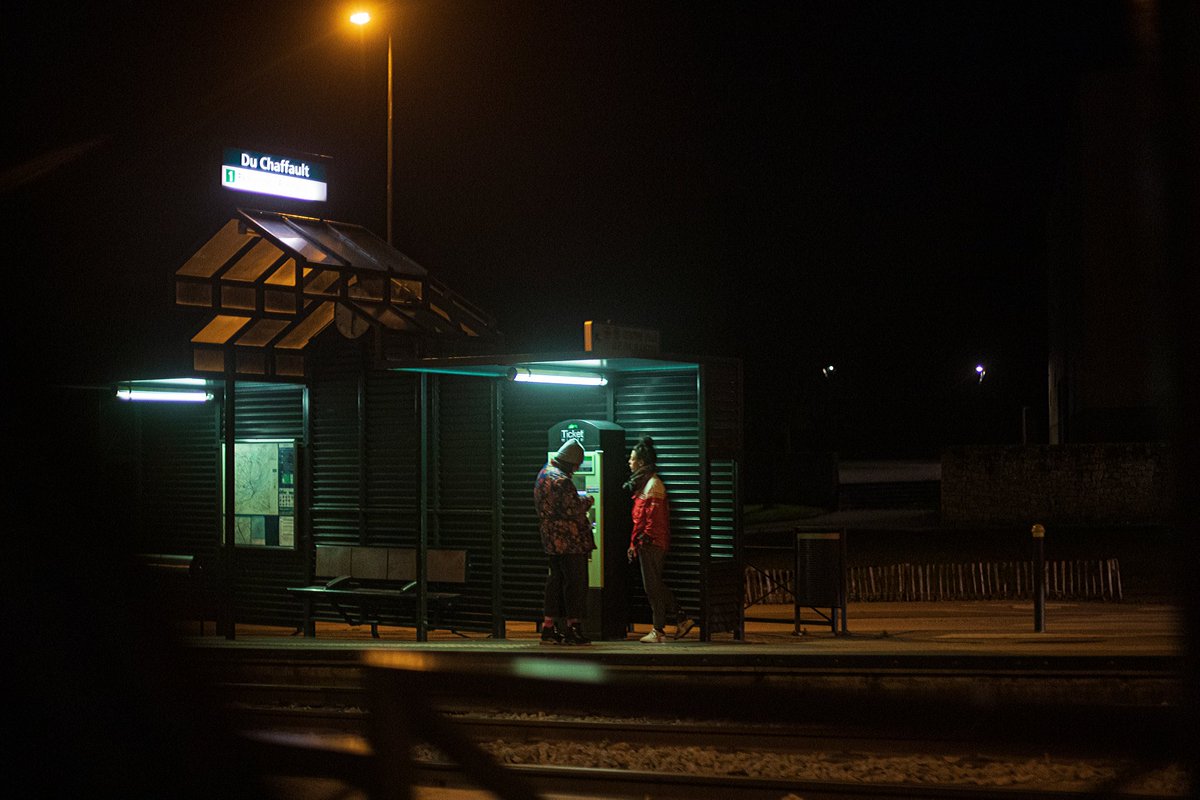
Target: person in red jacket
(651,539)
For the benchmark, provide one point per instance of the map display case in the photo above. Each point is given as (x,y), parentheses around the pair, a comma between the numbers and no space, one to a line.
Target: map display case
(264,492)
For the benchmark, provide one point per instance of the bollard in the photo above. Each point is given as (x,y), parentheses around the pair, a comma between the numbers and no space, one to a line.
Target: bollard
(1039,579)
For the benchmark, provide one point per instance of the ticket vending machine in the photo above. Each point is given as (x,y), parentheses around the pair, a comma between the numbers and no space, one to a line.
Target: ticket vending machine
(605,467)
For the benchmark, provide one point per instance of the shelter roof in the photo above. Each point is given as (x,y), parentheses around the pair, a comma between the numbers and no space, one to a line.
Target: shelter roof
(276,281)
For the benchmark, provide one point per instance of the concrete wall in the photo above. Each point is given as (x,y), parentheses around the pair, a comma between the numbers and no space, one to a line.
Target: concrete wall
(1111,484)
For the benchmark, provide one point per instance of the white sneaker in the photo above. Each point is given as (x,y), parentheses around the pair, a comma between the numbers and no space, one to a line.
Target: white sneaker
(655,636)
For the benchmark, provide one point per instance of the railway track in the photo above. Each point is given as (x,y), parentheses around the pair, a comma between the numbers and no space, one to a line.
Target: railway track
(672,758)
(684,759)
(324,709)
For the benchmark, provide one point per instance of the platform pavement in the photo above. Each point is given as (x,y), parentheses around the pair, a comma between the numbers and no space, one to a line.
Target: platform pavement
(1124,629)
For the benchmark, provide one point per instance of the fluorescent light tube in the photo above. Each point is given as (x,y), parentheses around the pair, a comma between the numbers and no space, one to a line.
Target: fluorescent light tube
(561,378)
(163,397)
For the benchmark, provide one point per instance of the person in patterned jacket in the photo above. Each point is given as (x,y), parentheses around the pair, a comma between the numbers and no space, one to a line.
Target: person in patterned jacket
(568,541)
(651,538)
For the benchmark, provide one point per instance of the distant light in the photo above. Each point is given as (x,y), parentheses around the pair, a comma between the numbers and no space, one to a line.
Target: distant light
(980,371)
(360,17)
(827,371)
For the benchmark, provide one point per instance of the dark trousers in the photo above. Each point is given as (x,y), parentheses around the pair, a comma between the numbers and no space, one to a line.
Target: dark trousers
(662,599)
(566,586)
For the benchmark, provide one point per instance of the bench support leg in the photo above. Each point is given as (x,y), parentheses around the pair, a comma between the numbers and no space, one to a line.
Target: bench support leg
(310,625)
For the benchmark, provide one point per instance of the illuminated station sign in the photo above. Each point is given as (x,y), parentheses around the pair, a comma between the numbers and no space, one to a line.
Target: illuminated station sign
(262,173)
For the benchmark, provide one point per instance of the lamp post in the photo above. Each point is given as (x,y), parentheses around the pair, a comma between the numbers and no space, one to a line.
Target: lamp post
(362,18)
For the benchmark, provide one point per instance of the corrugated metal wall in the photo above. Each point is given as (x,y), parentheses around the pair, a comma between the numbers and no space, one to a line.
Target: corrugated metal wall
(267,411)
(464,493)
(366,471)
(176,451)
(178,498)
(722,421)
(487,440)
(664,406)
(527,412)
(364,459)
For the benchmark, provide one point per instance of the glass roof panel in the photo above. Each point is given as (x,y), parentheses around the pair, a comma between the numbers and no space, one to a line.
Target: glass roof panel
(331,239)
(220,329)
(262,332)
(292,239)
(285,275)
(214,254)
(379,251)
(322,283)
(317,321)
(253,264)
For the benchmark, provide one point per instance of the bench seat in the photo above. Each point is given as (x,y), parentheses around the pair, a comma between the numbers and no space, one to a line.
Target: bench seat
(370,580)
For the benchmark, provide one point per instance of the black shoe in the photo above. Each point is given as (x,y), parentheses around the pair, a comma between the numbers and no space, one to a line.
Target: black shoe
(682,627)
(574,635)
(550,635)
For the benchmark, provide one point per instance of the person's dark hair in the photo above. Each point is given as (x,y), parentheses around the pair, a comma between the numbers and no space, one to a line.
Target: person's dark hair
(645,450)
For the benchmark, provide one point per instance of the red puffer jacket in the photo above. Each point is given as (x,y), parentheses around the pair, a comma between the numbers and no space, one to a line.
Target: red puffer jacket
(651,515)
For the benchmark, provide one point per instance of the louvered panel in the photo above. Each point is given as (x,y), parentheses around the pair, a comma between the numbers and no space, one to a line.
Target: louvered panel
(664,407)
(470,530)
(466,474)
(392,445)
(722,592)
(722,500)
(722,391)
(463,502)
(528,412)
(269,411)
(261,579)
(722,382)
(177,473)
(334,456)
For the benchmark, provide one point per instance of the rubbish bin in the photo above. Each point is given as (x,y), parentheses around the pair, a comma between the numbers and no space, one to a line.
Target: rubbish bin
(820,576)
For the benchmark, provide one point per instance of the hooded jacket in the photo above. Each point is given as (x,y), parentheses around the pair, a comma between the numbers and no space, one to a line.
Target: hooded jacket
(562,514)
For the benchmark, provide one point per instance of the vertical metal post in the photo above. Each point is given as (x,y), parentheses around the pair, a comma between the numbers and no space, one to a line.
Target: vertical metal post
(1039,579)
(843,589)
(388,224)
(228,622)
(705,506)
(361,445)
(423,510)
(499,628)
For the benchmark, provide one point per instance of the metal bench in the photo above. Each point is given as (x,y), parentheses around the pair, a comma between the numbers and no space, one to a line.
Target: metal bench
(361,582)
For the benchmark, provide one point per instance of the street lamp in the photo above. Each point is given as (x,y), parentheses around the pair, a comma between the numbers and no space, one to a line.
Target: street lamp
(362,18)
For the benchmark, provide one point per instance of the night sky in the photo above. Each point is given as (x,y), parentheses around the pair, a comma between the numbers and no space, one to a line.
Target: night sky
(794,184)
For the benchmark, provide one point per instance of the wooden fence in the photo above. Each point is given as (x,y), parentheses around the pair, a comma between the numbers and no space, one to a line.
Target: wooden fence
(994,580)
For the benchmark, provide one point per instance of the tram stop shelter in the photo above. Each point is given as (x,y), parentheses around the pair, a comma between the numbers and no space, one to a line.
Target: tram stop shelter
(372,409)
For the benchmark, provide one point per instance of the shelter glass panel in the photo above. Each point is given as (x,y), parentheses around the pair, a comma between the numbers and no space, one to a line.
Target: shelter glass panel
(217,251)
(295,241)
(253,264)
(379,251)
(333,240)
